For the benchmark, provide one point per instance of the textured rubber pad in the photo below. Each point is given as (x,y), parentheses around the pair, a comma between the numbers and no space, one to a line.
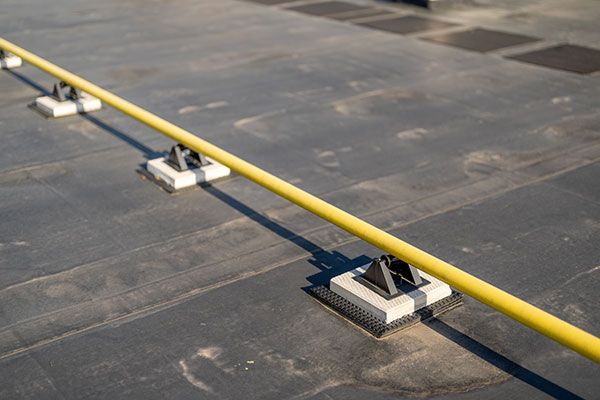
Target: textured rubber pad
(375,326)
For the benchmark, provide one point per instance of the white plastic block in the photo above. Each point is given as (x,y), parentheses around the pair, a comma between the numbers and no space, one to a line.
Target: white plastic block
(54,108)
(10,61)
(388,310)
(182,179)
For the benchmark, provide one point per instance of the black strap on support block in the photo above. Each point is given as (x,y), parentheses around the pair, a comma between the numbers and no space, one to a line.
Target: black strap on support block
(387,272)
(181,158)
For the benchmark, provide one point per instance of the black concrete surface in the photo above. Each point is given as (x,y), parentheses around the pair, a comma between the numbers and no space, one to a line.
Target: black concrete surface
(111,288)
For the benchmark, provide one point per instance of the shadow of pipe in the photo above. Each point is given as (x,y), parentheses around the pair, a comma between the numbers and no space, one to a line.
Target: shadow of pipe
(29,82)
(330,263)
(499,361)
(147,152)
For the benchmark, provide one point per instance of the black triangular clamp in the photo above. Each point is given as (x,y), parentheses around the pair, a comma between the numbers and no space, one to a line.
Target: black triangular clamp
(180,157)
(197,159)
(404,270)
(59,94)
(386,271)
(176,158)
(379,275)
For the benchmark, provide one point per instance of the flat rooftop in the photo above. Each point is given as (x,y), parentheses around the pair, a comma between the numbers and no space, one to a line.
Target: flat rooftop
(468,131)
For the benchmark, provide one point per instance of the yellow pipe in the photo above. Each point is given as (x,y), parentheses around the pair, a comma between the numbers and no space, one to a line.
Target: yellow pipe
(564,333)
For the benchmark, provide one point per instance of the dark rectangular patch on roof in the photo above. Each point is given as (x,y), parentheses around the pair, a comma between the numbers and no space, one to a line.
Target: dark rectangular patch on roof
(407,24)
(328,8)
(566,57)
(368,12)
(481,40)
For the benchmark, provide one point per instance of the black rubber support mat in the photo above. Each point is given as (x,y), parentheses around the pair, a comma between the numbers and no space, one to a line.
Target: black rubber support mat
(328,8)
(407,24)
(481,40)
(566,57)
(373,325)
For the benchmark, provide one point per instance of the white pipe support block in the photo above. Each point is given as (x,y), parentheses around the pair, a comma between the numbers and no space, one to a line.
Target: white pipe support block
(191,177)
(10,61)
(347,286)
(53,108)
